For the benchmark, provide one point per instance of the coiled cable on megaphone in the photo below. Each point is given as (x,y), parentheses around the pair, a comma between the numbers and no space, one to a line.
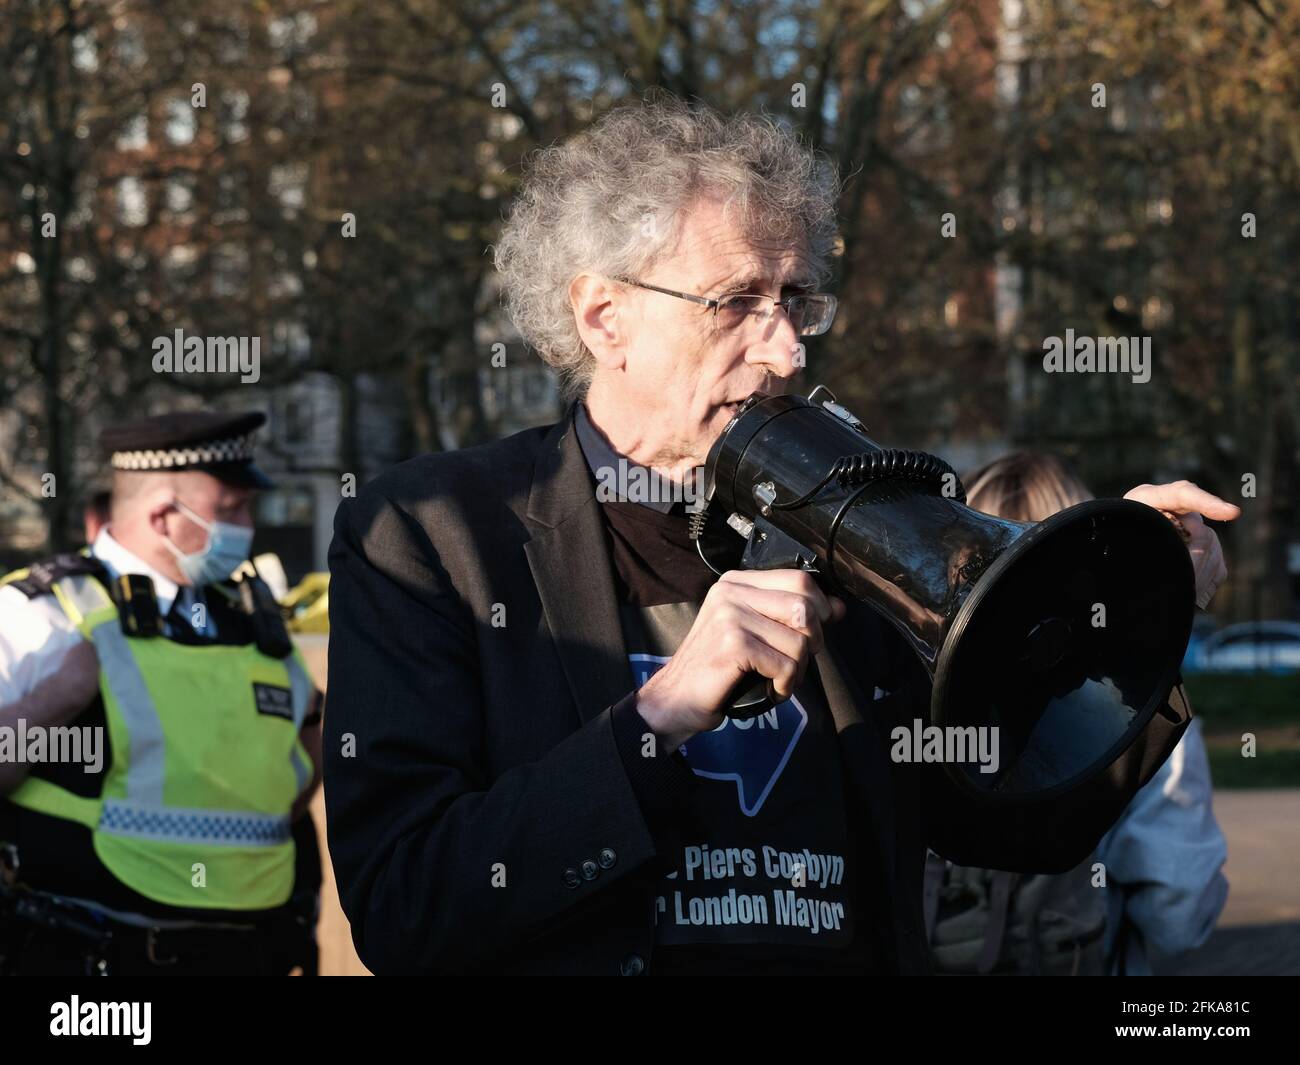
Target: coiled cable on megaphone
(889,463)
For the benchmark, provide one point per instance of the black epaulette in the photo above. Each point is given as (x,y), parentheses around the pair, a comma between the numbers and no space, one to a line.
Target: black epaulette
(40,577)
(269,631)
(251,600)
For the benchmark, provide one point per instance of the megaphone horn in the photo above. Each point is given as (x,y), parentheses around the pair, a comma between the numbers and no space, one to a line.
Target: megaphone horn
(1066,635)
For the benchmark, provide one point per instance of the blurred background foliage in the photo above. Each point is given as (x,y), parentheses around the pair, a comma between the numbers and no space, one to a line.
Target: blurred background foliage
(415,117)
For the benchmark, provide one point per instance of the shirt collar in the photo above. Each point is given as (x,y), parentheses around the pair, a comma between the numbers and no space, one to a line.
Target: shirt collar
(120,562)
(600,454)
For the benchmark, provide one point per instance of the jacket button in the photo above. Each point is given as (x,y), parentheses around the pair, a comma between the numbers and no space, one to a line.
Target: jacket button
(571,878)
(632,965)
(606,858)
(590,870)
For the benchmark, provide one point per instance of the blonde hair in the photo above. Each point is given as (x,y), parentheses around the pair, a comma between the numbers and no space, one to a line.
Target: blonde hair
(1024,486)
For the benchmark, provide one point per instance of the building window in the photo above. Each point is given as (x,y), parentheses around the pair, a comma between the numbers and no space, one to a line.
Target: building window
(291,340)
(178,194)
(132,204)
(179,263)
(232,196)
(296,422)
(85,55)
(284,284)
(286,506)
(230,265)
(290,35)
(288,184)
(134,135)
(232,114)
(180,122)
(129,47)
(232,42)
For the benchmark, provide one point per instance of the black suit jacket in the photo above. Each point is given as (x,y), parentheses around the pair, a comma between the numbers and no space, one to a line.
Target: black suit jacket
(481,814)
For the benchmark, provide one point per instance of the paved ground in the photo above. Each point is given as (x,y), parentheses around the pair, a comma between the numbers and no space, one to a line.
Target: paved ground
(1259,932)
(337,956)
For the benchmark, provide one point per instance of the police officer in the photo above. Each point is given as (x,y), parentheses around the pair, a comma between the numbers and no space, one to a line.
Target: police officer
(159,733)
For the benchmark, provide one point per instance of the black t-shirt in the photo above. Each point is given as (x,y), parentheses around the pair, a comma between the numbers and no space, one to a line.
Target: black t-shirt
(767,879)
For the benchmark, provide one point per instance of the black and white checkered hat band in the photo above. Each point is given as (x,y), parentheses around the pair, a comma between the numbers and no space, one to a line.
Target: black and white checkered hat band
(236,449)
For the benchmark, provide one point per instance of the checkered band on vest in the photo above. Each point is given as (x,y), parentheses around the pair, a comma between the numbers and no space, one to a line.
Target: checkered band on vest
(234,449)
(192,826)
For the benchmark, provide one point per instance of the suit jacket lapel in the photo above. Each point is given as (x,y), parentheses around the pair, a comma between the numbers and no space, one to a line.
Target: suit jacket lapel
(571,567)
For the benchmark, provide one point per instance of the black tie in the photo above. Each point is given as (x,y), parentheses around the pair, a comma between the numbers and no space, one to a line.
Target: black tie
(179,626)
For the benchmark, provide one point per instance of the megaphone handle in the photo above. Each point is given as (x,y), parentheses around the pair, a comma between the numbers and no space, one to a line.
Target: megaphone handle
(767,548)
(752,695)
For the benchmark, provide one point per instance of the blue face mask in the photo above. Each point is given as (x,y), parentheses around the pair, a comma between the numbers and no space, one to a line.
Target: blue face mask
(228,546)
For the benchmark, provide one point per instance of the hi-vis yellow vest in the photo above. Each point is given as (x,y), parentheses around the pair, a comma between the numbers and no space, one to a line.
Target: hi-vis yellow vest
(205,763)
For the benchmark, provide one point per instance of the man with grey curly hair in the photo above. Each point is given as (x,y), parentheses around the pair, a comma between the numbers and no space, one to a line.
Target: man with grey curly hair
(529,765)
(734,202)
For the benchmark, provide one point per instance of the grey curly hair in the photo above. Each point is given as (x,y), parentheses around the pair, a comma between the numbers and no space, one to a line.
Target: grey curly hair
(610,200)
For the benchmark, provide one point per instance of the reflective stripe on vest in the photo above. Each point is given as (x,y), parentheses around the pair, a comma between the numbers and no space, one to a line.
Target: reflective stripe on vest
(302,687)
(217,833)
(191,826)
(89,607)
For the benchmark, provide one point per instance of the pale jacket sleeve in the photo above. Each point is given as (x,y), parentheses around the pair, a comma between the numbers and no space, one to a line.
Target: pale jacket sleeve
(1164,858)
(35,636)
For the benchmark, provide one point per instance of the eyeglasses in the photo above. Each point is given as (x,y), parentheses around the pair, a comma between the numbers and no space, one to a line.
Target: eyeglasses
(811,314)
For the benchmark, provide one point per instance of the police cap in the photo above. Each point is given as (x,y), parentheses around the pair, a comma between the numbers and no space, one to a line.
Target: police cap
(211,442)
